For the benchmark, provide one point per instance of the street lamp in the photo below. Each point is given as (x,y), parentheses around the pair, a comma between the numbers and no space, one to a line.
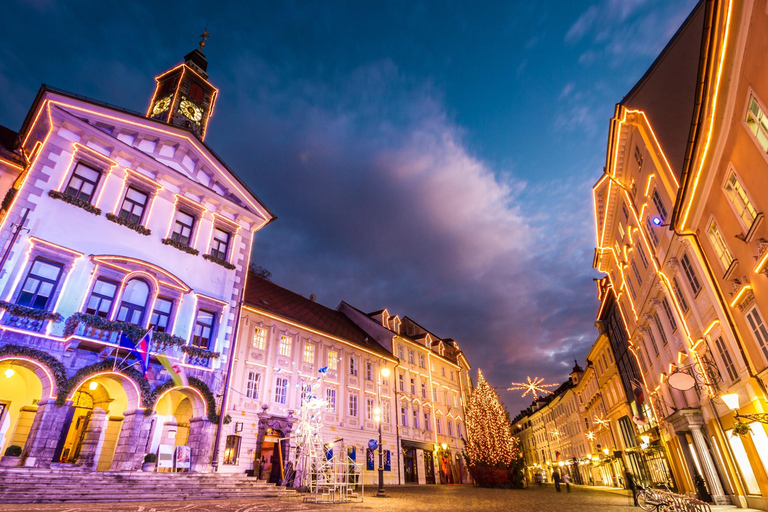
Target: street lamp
(732,401)
(380,494)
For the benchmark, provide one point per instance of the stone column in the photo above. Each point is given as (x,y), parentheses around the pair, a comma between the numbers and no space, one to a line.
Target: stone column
(89,456)
(708,466)
(200,442)
(688,458)
(44,434)
(129,452)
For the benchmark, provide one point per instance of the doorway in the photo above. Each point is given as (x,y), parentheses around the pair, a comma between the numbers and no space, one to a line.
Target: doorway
(409,465)
(429,467)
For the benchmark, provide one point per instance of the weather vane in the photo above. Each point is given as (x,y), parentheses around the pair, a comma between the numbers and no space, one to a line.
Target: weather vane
(205,35)
(534,387)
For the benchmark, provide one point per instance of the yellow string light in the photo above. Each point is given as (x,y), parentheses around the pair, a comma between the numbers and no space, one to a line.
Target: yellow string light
(489,433)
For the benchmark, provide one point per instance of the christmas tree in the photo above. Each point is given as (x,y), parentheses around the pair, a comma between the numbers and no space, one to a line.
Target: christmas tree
(489,440)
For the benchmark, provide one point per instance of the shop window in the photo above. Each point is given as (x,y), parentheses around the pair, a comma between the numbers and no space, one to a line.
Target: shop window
(40,284)
(743,461)
(232,450)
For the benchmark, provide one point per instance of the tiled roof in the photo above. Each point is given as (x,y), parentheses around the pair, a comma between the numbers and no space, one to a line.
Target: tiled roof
(266,295)
(8,145)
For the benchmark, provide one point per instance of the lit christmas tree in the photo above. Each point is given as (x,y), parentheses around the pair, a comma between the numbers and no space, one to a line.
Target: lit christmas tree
(489,434)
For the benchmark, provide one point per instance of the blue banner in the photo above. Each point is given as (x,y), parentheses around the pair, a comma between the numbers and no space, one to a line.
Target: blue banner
(387,462)
(370,461)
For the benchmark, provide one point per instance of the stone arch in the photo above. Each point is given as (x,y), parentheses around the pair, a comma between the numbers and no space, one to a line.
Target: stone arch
(135,385)
(50,370)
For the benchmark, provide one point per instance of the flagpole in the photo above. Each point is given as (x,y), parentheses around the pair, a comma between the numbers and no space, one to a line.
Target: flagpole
(117,350)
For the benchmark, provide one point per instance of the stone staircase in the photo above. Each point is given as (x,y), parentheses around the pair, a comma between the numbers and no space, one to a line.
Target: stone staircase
(27,485)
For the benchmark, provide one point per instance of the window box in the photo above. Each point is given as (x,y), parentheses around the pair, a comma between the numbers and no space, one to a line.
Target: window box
(197,356)
(129,224)
(163,340)
(219,261)
(181,246)
(24,317)
(74,201)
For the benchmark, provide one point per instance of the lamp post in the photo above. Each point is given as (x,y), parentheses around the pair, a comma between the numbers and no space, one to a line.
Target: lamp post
(379,412)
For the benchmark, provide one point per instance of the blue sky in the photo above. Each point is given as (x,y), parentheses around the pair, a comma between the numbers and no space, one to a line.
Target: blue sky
(433,158)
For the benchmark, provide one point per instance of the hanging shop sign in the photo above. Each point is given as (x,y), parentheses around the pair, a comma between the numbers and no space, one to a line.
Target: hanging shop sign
(681,381)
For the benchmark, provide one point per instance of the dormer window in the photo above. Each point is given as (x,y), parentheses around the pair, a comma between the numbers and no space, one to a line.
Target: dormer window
(220,245)
(83,182)
(134,302)
(134,204)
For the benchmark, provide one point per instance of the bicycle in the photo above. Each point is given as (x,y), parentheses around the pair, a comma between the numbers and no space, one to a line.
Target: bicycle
(652,500)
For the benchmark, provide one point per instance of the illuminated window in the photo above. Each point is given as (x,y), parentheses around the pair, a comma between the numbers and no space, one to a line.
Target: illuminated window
(617,248)
(220,244)
(252,385)
(757,123)
(83,182)
(232,450)
(660,208)
(639,158)
(102,295)
(281,390)
(353,405)
(743,462)
(134,302)
(668,311)
(134,203)
(726,358)
(41,282)
(758,329)
(161,314)
(690,274)
(333,359)
(353,366)
(621,230)
(330,400)
(259,338)
(739,200)
(652,233)
(637,273)
(679,295)
(284,349)
(203,329)
(183,223)
(718,243)
(309,352)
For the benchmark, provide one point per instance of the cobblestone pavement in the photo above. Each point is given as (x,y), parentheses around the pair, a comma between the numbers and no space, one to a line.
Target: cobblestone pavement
(431,498)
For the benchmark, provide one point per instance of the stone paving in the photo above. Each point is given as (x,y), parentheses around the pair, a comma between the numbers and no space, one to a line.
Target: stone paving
(403,498)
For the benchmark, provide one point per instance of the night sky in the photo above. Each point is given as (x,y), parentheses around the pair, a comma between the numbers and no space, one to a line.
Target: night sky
(432,158)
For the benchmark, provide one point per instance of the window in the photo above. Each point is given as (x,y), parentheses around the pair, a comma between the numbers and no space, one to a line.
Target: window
(196,93)
(284,349)
(220,244)
(718,243)
(232,450)
(353,405)
(424,390)
(40,284)
(621,230)
(637,273)
(450,428)
(663,335)
(203,329)
(422,361)
(632,289)
(353,366)
(625,211)
(741,203)
(726,357)
(458,429)
(183,224)
(100,301)
(416,417)
(443,370)
(452,375)
(410,356)
(439,425)
(400,352)
(757,123)
(668,311)
(642,361)
(369,371)
(309,352)
(281,390)
(161,314)
(134,302)
(385,407)
(413,386)
(660,208)
(369,407)
(434,395)
(330,400)
(690,274)
(252,385)
(427,423)
(652,233)
(641,254)
(455,400)
(404,415)
(758,329)
(83,182)
(134,203)
(679,295)
(333,359)
(259,338)
(639,158)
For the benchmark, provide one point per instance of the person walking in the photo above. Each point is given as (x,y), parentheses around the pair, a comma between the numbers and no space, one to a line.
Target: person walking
(629,480)
(556,479)
(567,482)
(538,478)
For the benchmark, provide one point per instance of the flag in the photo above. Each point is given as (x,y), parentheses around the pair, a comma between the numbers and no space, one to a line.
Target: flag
(142,347)
(170,360)
(131,347)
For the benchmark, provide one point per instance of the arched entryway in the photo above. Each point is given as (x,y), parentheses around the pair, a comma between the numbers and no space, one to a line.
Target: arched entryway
(95,421)
(273,455)
(181,419)
(24,384)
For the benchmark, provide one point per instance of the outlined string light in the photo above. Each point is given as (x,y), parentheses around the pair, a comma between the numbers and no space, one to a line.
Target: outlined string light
(534,387)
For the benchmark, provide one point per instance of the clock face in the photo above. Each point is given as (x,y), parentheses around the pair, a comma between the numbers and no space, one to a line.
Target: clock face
(161,105)
(190,110)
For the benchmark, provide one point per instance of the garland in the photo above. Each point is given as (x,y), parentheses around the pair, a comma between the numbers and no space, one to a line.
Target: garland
(8,199)
(27,312)
(132,331)
(129,224)
(199,352)
(164,340)
(75,201)
(196,383)
(219,261)
(107,365)
(180,246)
(58,369)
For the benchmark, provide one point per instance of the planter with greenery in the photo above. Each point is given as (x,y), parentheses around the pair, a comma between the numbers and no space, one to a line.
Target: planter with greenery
(129,224)
(199,356)
(150,462)
(74,201)
(215,259)
(740,429)
(133,332)
(180,246)
(12,457)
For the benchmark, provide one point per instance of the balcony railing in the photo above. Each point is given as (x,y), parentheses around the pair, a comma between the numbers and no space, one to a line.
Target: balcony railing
(26,318)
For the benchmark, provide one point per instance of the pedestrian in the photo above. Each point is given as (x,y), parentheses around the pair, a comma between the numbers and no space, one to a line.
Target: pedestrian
(567,482)
(538,478)
(556,479)
(629,479)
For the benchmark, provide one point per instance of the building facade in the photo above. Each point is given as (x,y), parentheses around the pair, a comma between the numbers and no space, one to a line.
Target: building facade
(115,222)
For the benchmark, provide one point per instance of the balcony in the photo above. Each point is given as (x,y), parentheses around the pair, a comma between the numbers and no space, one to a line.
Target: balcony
(197,356)
(26,318)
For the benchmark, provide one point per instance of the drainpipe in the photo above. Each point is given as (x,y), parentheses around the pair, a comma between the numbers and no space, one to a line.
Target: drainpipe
(230,364)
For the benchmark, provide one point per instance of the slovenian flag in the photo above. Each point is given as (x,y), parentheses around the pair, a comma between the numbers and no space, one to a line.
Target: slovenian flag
(171,361)
(142,347)
(135,351)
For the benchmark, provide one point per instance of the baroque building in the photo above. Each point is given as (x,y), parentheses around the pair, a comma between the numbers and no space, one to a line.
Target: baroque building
(115,222)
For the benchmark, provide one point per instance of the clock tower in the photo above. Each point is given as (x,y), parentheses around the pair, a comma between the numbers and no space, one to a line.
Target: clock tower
(183,96)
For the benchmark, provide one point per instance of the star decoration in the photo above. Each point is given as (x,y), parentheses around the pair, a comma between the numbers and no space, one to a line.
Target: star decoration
(556,434)
(591,435)
(601,421)
(534,387)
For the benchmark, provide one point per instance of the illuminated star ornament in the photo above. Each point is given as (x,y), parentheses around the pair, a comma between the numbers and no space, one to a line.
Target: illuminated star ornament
(555,434)
(601,421)
(534,387)
(591,435)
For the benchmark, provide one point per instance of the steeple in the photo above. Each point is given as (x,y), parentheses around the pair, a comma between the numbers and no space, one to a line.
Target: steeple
(183,95)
